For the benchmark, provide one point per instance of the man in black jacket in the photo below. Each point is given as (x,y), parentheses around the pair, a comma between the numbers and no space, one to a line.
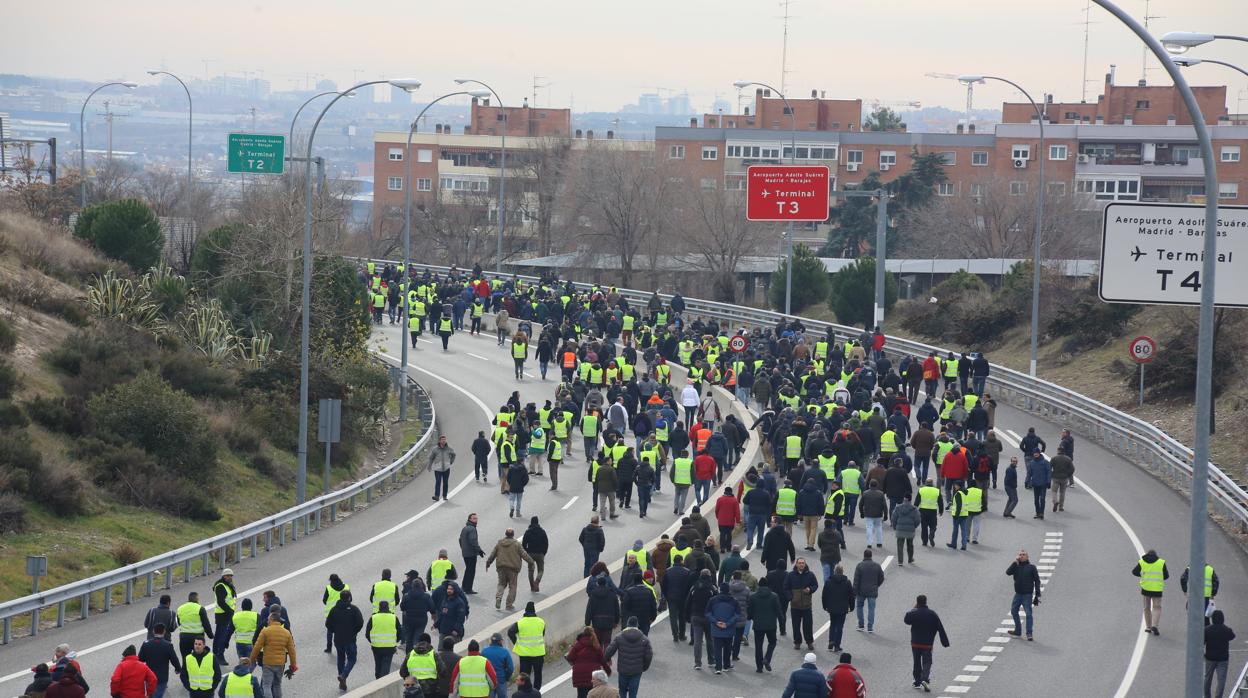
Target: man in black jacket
(536,544)
(695,615)
(924,625)
(1026,591)
(345,621)
(675,587)
(593,541)
(159,654)
(1217,652)
(481,457)
(776,544)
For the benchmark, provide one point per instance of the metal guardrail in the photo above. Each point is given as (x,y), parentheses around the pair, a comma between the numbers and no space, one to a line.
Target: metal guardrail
(1132,438)
(254,537)
(1240,687)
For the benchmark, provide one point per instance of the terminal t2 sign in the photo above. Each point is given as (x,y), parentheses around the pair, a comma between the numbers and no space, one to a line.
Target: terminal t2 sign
(1153,253)
(256,153)
(787,193)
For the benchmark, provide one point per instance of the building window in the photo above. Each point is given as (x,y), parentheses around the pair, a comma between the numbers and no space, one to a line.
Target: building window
(769,153)
(1057,152)
(1110,189)
(825,153)
(888,158)
(1020,152)
(676,152)
(1018,188)
(396,154)
(1228,190)
(710,152)
(708,183)
(424,184)
(1141,104)
(424,155)
(1056,188)
(1182,153)
(734,183)
(948,157)
(853,157)
(464,184)
(394,183)
(979,158)
(946,189)
(787,111)
(977,191)
(1230,153)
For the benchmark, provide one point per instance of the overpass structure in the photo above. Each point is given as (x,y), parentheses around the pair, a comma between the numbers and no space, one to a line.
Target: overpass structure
(1089,638)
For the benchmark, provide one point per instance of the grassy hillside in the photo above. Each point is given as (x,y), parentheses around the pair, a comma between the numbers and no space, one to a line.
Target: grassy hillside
(82,481)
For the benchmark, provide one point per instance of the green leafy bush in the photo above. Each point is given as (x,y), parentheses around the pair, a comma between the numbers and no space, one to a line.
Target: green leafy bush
(63,491)
(20,461)
(1087,322)
(198,376)
(810,281)
(132,475)
(166,423)
(66,415)
(9,380)
(242,438)
(125,230)
(102,356)
(852,293)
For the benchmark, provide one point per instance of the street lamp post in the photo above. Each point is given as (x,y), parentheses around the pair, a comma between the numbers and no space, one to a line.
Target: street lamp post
(788,277)
(190,121)
(306,306)
(290,140)
(1035,248)
(82,136)
(1189,62)
(1180,42)
(407,238)
(502,175)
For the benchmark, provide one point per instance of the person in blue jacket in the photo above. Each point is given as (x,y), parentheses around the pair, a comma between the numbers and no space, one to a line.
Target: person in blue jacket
(806,682)
(1039,476)
(723,613)
(500,657)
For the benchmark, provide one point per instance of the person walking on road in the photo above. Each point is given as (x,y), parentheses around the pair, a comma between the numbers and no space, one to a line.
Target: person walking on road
(164,615)
(528,640)
(1211,585)
(481,458)
(1039,477)
(845,681)
(192,624)
(838,599)
(800,585)
(344,623)
(925,626)
(131,677)
(763,611)
(509,555)
(694,612)
(722,614)
(1063,473)
(807,681)
(159,655)
(931,504)
(470,548)
(1011,488)
(500,658)
(200,671)
(384,590)
(473,676)
(1153,574)
(1026,592)
(868,578)
(277,645)
(635,656)
(536,543)
(587,659)
(441,458)
(517,480)
(1217,653)
(593,541)
(906,520)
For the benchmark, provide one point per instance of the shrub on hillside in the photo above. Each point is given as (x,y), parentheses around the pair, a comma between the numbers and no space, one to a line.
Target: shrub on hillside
(20,462)
(282,475)
(1086,322)
(66,415)
(9,380)
(12,513)
(166,423)
(810,281)
(125,230)
(48,248)
(102,356)
(196,375)
(132,475)
(11,416)
(125,554)
(980,320)
(8,337)
(63,491)
(1172,372)
(851,293)
(242,438)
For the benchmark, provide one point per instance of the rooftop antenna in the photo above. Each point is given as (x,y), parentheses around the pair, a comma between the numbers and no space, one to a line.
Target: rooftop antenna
(1144,62)
(539,82)
(784,48)
(1087,24)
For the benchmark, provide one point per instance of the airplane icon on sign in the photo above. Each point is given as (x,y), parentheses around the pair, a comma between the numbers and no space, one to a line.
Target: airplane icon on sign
(766,193)
(1135,256)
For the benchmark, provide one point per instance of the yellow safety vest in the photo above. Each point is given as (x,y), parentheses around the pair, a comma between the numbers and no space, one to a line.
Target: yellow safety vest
(973,500)
(793,446)
(189,620)
(828,465)
(641,555)
(543,417)
(589,426)
(419,307)
(332,595)
(385,632)
(561,428)
(478,309)
(849,481)
(530,637)
(444,325)
(237,686)
(942,449)
(413,323)
(437,572)
(245,624)
(1152,575)
(423,666)
(963,510)
(229,598)
(1208,581)
(199,671)
(929,498)
(628,323)
(951,368)
(681,554)
(383,590)
(556,450)
(786,502)
(821,350)
(473,681)
(888,441)
(682,471)
(537,440)
(519,350)
(651,456)
(836,504)
(626,372)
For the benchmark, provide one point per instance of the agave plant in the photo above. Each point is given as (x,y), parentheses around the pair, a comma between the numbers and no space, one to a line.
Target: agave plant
(111,296)
(254,351)
(166,288)
(208,330)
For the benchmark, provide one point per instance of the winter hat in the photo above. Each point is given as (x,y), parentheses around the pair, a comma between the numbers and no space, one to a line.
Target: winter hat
(530,608)
(533,521)
(637,544)
(632,622)
(810,658)
(648,575)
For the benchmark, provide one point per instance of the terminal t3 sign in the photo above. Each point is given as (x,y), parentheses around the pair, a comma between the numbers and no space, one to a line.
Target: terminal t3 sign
(787,192)
(1153,253)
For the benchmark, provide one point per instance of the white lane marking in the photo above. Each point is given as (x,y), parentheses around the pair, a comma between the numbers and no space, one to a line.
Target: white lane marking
(1137,653)
(956,689)
(968,678)
(1014,434)
(989,648)
(1052,547)
(828,624)
(336,556)
(476,356)
(571,502)
(984,658)
(999,639)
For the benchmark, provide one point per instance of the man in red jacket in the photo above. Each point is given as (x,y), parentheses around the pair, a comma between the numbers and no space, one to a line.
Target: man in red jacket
(844,681)
(132,678)
(704,470)
(727,515)
(955,468)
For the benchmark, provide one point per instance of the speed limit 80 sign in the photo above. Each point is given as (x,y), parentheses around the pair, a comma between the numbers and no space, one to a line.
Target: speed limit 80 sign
(1142,349)
(738,344)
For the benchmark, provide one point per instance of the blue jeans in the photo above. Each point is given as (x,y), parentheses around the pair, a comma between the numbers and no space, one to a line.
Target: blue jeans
(500,691)
(701,491)
(851,506)
(160,690)
(920,467)
(869,602)
(960,523)
(242,649)
(755,524)
(514,499)
(1023,600)
(346,658)
(875,530)
(643,499)
(827,571)
(678,503)
(978,384)
(222,632)
(743,394)
(836,628)
(629,685)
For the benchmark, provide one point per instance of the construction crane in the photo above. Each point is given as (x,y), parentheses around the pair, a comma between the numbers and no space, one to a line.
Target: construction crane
(970,90)
(877,103)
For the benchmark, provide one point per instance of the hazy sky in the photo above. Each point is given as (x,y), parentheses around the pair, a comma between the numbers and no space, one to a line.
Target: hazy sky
(600,55)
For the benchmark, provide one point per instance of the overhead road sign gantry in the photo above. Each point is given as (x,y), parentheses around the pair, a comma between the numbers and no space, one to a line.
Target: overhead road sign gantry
(787,192)
(256,153)
(1152,253)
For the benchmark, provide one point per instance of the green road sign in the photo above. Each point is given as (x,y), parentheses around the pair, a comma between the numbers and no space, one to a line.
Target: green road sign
(257,153)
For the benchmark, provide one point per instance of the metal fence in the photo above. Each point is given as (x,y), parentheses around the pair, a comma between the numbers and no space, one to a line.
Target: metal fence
(249,541)
(1130,437)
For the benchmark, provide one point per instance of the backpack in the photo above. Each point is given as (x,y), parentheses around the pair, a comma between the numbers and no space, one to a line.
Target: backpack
(983,465)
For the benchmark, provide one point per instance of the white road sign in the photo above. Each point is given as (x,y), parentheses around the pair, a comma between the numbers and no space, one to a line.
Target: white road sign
(1152,253)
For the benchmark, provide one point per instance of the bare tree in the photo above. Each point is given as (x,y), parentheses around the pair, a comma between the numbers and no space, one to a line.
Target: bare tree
(24,186)
(544,169)
(626,196)
(995,218)
(113,179)
(714,229)
(163,190)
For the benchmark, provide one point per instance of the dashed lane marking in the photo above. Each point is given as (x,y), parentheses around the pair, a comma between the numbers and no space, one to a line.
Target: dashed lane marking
(572,501)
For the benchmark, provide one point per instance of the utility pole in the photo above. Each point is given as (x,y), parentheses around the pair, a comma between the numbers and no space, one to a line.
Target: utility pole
(1144,51)
(784,48)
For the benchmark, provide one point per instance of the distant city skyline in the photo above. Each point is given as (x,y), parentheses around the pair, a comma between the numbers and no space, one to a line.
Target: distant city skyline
(578,59)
